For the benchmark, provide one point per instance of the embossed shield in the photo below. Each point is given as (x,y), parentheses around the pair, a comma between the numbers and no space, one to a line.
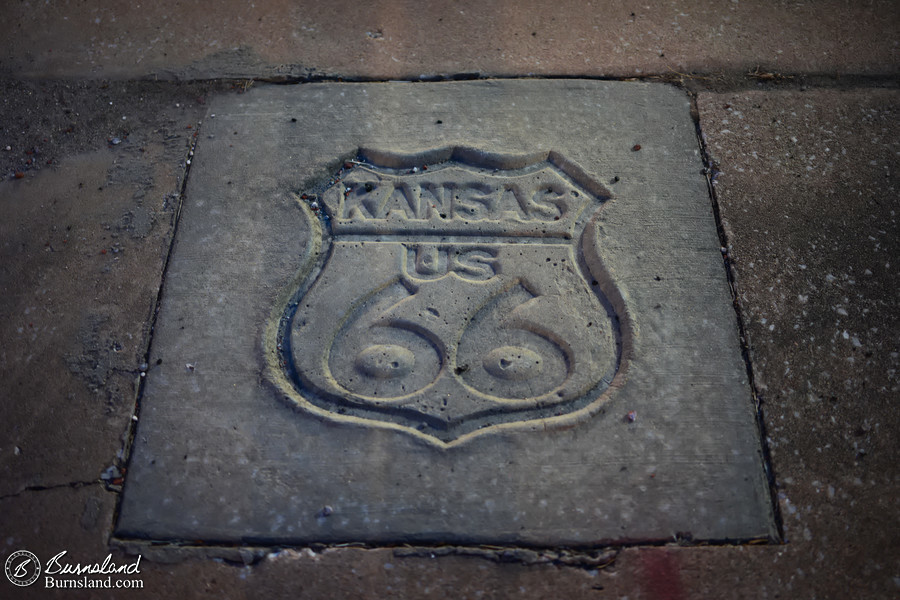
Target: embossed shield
(459,293)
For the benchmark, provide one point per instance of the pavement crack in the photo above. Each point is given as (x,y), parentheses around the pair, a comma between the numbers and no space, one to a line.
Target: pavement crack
(591,560)
(43,488)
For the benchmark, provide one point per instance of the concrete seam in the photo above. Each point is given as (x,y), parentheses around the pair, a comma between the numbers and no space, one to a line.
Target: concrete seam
(740,80)
(711,171)
(129,434)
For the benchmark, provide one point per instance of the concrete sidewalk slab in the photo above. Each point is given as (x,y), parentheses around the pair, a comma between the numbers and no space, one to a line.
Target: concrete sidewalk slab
(808,196)
(81,257)
(407,39)
(643,431)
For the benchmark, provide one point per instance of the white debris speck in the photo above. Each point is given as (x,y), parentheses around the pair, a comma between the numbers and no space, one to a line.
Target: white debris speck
(803,299)
(841,311)
(17,451)
(829,278)
(845,335)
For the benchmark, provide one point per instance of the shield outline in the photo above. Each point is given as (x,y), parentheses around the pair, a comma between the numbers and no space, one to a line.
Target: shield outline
(277,353)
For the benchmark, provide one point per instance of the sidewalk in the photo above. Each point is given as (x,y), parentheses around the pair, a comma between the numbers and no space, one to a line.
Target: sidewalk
(796,107)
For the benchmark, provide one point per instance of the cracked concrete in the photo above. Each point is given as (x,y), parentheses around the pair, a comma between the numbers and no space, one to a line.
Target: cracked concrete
(44,488)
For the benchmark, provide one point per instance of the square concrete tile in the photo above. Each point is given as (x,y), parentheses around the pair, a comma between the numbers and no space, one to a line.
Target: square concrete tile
(485,312)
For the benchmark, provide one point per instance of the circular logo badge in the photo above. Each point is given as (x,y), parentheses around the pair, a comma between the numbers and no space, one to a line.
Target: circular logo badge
(22,568)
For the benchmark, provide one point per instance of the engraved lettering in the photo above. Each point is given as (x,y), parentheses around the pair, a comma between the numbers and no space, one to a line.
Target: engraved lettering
(474,202)
(364,201)
(455,298)
(430,260)
(503,346)
(402,202)
(394,359)
(513,202)
(433,261)
(478,264)
(436,200)
(541,198)
(550,203)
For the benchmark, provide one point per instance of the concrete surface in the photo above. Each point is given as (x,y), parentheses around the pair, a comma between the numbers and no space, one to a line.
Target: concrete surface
(406,40)
(831,424)
(473,458)
(82,251)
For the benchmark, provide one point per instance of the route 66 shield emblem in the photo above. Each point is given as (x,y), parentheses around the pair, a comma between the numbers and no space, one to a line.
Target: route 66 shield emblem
(458,293)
